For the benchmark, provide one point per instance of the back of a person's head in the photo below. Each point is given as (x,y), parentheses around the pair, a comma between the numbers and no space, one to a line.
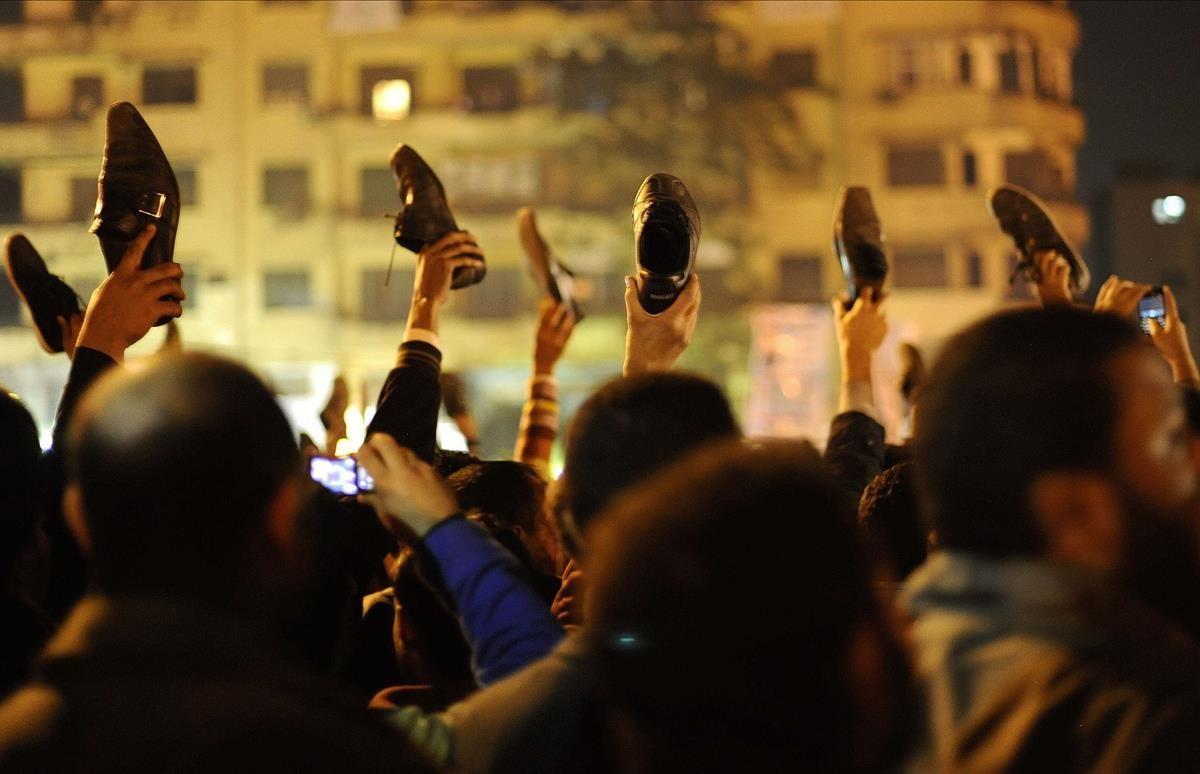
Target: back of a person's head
(628,429)
(732,618)
(176,463)
(20,479)
(890,517)
(1018,395)
(511,494)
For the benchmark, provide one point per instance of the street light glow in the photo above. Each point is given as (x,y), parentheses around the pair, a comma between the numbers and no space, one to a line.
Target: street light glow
(1168,209)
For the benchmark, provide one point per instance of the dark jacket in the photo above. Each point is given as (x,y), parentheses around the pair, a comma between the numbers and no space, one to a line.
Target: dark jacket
(158,685)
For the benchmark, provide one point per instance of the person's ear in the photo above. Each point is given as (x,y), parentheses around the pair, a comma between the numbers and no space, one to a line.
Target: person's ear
(1080,515)
(283,513)
(74,514)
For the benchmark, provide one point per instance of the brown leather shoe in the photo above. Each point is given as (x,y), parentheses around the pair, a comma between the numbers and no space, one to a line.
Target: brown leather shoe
(554,278)
(47,296)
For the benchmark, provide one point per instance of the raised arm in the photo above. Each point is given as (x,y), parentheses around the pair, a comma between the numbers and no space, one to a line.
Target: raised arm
(505,622)
(539,417)
(411,395)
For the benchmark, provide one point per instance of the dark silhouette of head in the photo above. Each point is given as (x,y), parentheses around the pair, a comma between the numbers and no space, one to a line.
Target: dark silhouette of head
(629,429)
(21,485)
(186,477)
(1037,422)
(509,498)
(890,518)
(734,623)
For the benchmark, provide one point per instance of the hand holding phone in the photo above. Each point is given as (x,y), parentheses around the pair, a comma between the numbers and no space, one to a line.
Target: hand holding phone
(341,475)
(1152,310)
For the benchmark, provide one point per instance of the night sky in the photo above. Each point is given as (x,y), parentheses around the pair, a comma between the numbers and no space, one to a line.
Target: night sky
(1137,79)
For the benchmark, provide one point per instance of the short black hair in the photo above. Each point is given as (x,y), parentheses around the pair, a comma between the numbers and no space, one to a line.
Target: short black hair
(177,463)
(512,494)
(890,518)
(1014,396)
(692,644)
(628,429)
(21,480)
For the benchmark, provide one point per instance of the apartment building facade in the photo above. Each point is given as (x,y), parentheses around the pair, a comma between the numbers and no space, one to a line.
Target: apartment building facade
(279,116)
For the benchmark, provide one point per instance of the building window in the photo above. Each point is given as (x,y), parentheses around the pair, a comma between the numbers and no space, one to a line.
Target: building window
(169,85)
(286,289)
(285,190)
(285,84)
(974,270)
(919,267)
(969,174)
(191,288)
(86,10)
(377,191)
(964,66)
(10,195)
(794,69)
(12,95)
(369,77)
(1010,70)
(490,89)
(87,95)
(721,293)
(12,12)
(386,303)
(185,177)
(500,296)
(83,198)
(1035,170)
(489,182)
(917,165)
(800,279)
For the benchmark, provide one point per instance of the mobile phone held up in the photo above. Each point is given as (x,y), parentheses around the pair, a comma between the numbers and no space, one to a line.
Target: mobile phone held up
(341,475)
(1151,310)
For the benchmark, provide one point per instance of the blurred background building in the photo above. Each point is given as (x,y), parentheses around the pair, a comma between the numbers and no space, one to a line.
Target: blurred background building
(279,115)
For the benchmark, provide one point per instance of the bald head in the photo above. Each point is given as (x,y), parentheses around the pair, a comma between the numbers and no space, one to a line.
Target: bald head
(176,465)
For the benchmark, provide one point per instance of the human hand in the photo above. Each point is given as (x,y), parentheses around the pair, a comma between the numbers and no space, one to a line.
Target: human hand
(409,497)
(130,300)
(653,342)
(860,330)
(567,607)
(437,262)
(70,327)
(1120,297)
(555,324)
(1053,286)
(1171,340)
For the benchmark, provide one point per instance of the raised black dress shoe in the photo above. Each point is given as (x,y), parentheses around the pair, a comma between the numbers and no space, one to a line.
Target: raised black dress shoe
(859,242)
(424,215)
(47,296)
(136,188)
(1024,218)
(555,279)
(666,233)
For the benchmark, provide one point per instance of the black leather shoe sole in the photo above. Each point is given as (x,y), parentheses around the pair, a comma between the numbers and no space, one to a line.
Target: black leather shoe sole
(46,295)
(1025,218)
(554,279)
(858,242)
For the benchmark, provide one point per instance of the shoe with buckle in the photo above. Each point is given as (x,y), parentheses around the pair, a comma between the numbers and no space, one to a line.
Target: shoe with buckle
(666,232)
(554,278)
(859,242)
(1025,218)
(47,295)
(424,215)
(136,188)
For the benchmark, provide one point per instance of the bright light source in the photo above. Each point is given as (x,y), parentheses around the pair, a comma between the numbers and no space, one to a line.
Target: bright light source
(391,100)
(1168,209)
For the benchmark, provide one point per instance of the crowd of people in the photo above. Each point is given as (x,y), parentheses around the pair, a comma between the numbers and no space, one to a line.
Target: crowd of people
(1015,587)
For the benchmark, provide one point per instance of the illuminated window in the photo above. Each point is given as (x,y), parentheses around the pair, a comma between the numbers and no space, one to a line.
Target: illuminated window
(391,100)
(1168,210)
(371,75)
